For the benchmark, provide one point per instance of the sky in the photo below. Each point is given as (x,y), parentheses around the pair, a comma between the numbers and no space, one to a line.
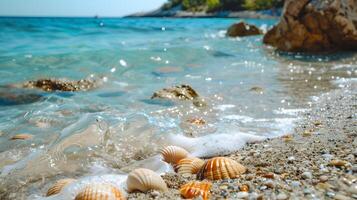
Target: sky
(104,8)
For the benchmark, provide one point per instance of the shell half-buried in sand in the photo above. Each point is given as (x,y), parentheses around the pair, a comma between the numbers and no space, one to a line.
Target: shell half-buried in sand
(58,186)
(220,168)
(173,154)
(100,192)
(194,189)
(21,137)
(144,180)
(189,166)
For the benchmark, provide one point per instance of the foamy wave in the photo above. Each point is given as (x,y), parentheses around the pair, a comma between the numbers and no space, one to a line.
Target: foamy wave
(214,144)
(70,191)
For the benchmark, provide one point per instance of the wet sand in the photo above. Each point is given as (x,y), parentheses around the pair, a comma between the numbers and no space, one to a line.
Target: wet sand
(317,161)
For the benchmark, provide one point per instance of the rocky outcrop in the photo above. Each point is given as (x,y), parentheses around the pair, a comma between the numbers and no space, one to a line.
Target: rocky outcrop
(50,85)
(242,29)
(315,26)
(180,92)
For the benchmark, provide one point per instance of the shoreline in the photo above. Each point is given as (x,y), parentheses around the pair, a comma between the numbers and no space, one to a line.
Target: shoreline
(316,161)
(186,14)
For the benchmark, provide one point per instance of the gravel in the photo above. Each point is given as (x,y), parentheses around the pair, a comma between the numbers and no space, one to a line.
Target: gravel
(320,165)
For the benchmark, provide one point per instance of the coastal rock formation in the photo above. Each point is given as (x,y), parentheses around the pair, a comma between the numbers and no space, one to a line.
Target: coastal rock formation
(242,29)
(180,92)
(50,85)
(315,26)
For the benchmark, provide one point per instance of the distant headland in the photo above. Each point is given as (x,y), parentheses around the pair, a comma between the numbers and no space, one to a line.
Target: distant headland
(216,8)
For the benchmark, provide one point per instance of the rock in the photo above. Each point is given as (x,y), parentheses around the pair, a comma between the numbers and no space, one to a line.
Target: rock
(323,178)
(338,163)
(242,195)
(353,189)
(180,92)
(50,85)
(282,196)
(341,197)
(242,29)
(306,175)
(315,26)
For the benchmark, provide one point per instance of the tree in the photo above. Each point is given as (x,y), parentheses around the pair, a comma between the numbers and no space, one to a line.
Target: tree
(213,4)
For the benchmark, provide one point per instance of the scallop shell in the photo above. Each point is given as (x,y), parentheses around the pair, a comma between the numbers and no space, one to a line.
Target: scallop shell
(173,154)
(144,180)
(21,137)
(58,186)
(220,168)
(100,192)
(195,189)
(188,166)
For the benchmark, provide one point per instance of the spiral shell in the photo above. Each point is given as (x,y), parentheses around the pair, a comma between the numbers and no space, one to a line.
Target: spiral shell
(173,154)
(58,186)
(144,180)
(21,137)
(195,189)
(100,192)
(188,166)
(220,168)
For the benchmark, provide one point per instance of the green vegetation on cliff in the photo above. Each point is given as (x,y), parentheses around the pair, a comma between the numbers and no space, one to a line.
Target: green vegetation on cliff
(223,5)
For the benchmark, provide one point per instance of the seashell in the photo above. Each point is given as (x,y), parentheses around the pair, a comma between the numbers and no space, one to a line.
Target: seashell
(188,166)
(21,137)
(100,192)
(173,154)
(194,189)
(220,168)
(144,180)
(58,186)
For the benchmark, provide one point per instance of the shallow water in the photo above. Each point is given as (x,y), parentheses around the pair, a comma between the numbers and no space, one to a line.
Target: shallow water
(117,127)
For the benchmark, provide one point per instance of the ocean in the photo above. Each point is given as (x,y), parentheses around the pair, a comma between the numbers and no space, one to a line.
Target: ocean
(252,93)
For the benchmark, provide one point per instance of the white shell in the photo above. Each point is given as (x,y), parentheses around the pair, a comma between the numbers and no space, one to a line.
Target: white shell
(100,192)
(144,180)
(173,154)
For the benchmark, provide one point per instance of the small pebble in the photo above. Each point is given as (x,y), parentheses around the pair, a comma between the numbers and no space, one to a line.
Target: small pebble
(307,191)
(323,178)
(306,175)
(242,195)
(353,188)
(354,168)
(270,184)
(264,187)
(341,197)
(295,184)
(330,194)
(155,193)
(282,196)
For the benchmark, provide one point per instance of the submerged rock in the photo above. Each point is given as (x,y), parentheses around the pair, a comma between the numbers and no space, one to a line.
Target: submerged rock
(242,29)
(180,92)
(50,85)
(315,26)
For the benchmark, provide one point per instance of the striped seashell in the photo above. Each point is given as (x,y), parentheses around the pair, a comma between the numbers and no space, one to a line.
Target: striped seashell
(58,186)
(194,189)
(220,168)
(144,180)
(21,137)
(189,166)
(100,192)
(173,154)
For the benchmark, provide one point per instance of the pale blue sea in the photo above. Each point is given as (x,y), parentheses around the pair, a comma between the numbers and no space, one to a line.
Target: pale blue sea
(112,129)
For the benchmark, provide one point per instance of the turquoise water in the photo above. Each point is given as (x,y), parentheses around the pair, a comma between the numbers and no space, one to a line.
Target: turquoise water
(117,126)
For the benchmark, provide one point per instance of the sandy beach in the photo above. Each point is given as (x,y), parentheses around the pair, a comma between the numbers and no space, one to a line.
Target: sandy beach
(317,161)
